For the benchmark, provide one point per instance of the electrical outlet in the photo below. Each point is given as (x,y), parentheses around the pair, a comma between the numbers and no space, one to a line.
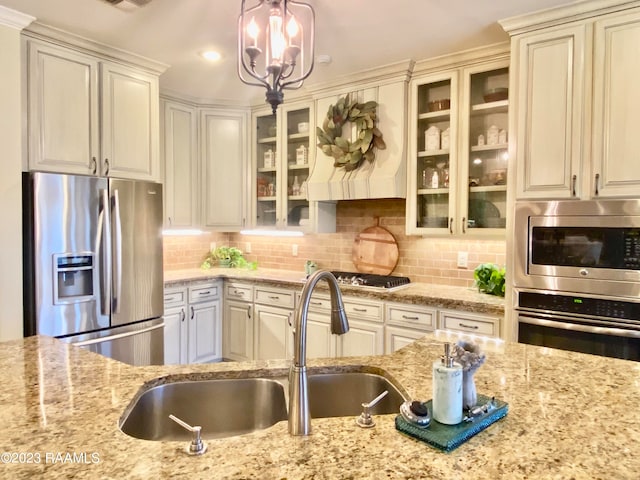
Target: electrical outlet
(463,259)
(247,247)
(294,250)
(212,246)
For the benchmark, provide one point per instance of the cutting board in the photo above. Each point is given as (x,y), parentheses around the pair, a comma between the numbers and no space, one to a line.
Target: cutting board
(375,251)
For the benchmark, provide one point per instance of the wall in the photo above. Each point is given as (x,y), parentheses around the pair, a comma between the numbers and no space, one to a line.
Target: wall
(11,179)
(431,260)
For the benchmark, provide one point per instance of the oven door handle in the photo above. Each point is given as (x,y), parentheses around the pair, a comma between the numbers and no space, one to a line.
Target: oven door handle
(544,322)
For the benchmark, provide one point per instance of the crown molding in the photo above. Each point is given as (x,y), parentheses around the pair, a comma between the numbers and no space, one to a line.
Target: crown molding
(394,72)
(465,58)
(76,42)
(553,16)
(14,19)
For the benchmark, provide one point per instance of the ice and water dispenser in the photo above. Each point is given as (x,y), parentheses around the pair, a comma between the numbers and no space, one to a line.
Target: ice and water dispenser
(73,278)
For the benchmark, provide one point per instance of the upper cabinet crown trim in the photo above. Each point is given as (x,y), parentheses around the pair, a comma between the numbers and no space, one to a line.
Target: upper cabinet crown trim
(374,77)
(14,19)
(106,52)
(464,58)
(563,14)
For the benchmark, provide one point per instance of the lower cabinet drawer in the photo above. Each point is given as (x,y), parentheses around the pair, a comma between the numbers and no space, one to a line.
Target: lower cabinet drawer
(175,297)
(275,297)
(470,323)
(367,311)
(236,291)
(203,293)
(411,316)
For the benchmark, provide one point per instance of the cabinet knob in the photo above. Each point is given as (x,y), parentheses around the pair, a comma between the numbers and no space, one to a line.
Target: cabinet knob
(574,180)
(464,224)
(192,313)
(94,164)
(106,167)
(182,315)
(596,191)
(451,225)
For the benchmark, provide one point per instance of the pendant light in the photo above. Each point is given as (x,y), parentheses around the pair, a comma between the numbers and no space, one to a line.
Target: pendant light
(275,46)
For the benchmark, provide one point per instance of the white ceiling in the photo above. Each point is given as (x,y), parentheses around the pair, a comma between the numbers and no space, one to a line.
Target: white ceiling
(357,34)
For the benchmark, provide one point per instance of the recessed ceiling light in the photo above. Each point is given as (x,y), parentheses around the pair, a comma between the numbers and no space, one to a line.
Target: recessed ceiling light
(211,55)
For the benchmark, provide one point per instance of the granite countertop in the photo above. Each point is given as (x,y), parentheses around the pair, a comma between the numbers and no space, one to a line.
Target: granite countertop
(570,416)
(438,296)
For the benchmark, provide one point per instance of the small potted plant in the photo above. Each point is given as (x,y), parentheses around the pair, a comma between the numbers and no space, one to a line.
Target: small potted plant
(224,256)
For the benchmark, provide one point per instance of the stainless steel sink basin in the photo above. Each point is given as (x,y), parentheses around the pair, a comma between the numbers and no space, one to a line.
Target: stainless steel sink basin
(342,394)
(223,408)
(229,407)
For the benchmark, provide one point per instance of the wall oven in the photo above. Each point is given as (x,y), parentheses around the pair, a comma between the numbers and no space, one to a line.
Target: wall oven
(577,276)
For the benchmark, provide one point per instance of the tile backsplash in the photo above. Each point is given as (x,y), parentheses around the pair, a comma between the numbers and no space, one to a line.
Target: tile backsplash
(429,260)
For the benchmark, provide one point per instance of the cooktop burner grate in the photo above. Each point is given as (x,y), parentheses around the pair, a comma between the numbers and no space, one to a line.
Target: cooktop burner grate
(370,280)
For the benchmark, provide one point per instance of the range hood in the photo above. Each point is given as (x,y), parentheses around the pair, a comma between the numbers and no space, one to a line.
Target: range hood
(386,176)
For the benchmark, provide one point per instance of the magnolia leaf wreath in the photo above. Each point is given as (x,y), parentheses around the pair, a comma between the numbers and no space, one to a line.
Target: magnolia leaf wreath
(346,153)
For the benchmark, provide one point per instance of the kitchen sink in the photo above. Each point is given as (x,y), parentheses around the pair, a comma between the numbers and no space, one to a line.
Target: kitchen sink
(222,407)
(229,407)
(342,394)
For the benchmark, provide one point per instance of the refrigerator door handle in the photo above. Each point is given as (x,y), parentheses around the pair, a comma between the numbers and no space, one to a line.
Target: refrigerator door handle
(109,338)
(117,252)
(104,247)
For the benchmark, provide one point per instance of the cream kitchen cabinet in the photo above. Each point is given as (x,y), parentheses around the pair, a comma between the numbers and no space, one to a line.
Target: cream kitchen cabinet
(469,323)
(179,150)
(89,115)
(321,342)
(458,162)
(575,102)
(193,324)
(366,329)
(283,156)
(238,323)
(175,328)
(201,175)
(406,323)
(273,310)
(224,176)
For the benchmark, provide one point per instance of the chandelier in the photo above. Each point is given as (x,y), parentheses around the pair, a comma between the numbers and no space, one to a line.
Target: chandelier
(275,46)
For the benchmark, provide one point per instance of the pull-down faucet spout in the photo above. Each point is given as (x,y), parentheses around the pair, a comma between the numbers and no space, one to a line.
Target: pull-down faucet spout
(299,416)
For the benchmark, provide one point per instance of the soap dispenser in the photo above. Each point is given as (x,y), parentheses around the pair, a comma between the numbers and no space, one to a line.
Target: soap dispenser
(447,389)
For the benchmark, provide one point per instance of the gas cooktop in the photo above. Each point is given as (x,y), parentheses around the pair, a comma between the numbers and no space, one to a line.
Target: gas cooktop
(372,281)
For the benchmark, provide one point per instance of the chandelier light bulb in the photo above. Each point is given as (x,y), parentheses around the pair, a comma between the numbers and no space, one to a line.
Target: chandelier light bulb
(253,31)
(292,28)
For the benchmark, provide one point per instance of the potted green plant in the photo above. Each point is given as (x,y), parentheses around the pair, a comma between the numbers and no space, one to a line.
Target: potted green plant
(490,279)
(225,256)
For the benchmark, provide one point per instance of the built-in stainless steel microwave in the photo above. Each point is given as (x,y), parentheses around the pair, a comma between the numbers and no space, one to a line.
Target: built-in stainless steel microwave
(583,246)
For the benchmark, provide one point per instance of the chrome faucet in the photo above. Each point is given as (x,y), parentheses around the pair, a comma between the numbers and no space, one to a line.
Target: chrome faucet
(299,417)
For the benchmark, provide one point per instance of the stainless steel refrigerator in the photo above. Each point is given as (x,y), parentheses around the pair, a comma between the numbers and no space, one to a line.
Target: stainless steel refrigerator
(93,264)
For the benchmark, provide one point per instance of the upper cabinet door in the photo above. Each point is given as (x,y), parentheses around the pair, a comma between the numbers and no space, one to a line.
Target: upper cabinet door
(63,110)
(224,176)
(431,204)
(180,165)
(616,97)
(550,112)
(130,124)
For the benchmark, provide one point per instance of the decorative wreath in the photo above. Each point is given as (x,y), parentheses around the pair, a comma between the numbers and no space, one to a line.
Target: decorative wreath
(346,153)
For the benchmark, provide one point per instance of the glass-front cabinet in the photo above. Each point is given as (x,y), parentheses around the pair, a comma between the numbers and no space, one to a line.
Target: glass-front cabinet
(458,151)
(485,147)
(281,163)
(435,128)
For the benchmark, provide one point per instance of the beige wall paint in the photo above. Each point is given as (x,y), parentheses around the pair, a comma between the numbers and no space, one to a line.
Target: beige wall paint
(430,260)
(10,180)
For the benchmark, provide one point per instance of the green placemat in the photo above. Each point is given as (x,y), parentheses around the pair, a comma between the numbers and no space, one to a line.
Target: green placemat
(449,437)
